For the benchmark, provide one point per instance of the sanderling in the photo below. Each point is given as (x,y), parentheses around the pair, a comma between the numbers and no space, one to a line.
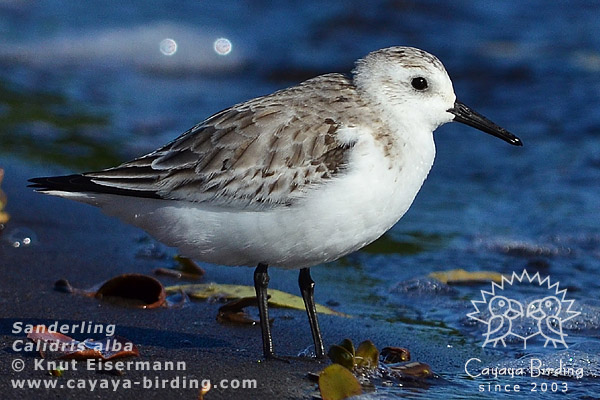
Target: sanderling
(292,179)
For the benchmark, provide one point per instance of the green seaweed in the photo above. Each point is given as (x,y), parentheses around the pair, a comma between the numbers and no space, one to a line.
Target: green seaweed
(66,138)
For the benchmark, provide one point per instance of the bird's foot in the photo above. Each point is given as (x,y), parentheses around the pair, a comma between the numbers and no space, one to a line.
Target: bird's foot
(274,357)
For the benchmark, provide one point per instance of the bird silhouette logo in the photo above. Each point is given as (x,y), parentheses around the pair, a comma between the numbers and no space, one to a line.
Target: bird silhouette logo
(509,320)
(546,312)
(503,311)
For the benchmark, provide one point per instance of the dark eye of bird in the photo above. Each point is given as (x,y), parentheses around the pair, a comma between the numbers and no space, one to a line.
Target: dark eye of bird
(419,83)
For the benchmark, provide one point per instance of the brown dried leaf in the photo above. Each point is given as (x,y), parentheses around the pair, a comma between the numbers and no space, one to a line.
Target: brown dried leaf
(133,290)
(142,290)
(185,269)
(392,355)
(189,266)
(414,369)
(233,312)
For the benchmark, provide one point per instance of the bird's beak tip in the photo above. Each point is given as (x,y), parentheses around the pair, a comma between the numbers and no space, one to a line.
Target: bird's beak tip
(463,114)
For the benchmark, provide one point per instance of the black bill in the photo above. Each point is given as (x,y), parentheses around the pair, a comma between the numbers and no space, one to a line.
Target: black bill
(464,114)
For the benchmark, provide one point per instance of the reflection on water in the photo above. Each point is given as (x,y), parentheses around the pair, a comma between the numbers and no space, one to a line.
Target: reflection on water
(191,49)
(44,127)
(4,217)
(20,237)
(408,243)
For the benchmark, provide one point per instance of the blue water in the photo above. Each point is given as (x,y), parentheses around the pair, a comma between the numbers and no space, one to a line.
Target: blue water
(83,85)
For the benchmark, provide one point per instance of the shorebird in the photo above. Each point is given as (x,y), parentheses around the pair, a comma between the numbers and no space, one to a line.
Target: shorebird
(296,178)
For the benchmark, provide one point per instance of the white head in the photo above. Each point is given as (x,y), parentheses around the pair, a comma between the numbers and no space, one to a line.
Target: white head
(407,81)
(413,87)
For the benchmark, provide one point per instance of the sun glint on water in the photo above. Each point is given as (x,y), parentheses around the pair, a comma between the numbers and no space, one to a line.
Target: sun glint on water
(222,46)
(168,47)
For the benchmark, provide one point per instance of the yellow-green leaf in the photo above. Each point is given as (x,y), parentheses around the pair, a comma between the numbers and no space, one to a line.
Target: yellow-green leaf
(348,345)
(337,383)
(367,355)
(462,277)
(277,297)
(342,356)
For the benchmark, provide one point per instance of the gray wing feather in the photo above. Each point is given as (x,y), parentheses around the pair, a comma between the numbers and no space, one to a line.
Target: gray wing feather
(265,152)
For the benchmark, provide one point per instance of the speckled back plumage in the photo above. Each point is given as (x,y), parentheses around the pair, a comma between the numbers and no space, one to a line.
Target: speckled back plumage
(286,139)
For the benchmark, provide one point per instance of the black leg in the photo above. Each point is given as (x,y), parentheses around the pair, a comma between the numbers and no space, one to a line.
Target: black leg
(307,288)
(261,282)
